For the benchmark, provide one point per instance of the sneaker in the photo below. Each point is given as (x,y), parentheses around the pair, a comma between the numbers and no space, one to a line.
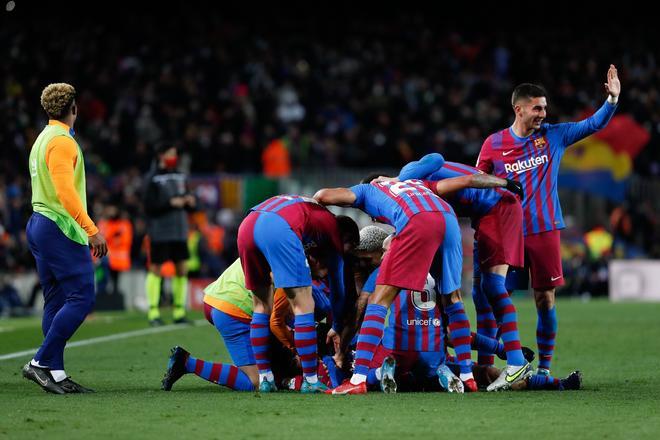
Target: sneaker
(310,388)
(387,381)
(156,322)
(528,354)
(470,386)
(71,387)
(448,380)
(42,377)
(571,382)
(183,321)
(348,388)
(176,367)
(509,376)
(267,386)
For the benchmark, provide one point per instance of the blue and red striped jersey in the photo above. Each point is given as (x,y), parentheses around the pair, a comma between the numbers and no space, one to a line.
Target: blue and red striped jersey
(312,222)
(414,321)
(534,161)
(395,203)
(319,233)
(468,202)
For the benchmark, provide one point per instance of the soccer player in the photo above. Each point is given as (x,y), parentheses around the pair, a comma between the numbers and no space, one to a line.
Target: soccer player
(485,375)
(274,237)
(413,338)
(530,151)
(496,216)
(166,199)
(60,234)
(228,306)
(425,225)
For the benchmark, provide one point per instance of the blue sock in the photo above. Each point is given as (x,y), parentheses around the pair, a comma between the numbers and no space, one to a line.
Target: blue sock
(371,377)
(222,374)
(259,334)
(305,339)
(494,287)
(486,324)
(542,382)
(371,333)
(490,345)
(546,331)
(459,335)
(336,375)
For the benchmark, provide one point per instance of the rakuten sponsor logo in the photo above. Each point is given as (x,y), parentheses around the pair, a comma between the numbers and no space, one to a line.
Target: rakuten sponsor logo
(522,166)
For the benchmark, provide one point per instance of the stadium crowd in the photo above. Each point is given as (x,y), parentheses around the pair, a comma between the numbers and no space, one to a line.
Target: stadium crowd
(242,98)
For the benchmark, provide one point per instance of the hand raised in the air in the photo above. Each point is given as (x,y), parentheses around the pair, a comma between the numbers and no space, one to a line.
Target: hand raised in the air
(613,85)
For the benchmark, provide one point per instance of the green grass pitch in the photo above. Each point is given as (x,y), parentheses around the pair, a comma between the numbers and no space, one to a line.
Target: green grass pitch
(617,347)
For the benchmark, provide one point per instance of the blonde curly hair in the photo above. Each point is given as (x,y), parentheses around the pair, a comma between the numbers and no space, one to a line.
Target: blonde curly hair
(57,98)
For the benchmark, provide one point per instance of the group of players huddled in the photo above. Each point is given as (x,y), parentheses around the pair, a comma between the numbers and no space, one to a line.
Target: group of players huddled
(291,310)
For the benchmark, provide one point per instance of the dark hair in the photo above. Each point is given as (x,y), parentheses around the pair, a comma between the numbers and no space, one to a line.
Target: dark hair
(348,229)
(369,177)
(527,91)
(162,146)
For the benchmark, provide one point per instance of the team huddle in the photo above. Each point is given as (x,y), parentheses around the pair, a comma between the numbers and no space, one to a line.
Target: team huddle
(291,310)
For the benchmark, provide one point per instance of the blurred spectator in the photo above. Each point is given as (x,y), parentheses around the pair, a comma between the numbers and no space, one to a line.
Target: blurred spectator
(118,231)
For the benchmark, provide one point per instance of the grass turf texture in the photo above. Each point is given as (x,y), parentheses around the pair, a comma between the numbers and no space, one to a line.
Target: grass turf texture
(615,345)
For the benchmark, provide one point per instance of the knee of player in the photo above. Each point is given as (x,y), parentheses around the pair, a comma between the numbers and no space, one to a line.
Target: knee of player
(545,299)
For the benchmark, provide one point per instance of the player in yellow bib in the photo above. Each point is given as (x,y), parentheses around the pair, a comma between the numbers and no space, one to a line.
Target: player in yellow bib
(60,235)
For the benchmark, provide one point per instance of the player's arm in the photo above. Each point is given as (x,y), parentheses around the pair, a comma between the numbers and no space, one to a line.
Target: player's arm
(336,280)
(61,157)
(485,159)
(421,169)
(335,196)
(574,131)
(479,181)
(281,310)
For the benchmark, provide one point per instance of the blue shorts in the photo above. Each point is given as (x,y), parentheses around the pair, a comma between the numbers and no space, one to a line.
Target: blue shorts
(236,335)
(65,267)
(451,255)
(283,251)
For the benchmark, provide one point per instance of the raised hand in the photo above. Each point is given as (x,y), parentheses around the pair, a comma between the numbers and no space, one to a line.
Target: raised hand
(613,85)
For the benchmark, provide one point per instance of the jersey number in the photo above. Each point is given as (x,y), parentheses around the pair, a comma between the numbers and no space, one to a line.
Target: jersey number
(420,304)
(398,188)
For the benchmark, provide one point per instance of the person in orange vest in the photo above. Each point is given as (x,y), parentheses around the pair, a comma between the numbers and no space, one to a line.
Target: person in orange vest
(275,159)
(118,230)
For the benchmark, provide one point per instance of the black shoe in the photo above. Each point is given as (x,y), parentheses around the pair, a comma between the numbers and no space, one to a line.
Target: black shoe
(175,368)
(70,386)
(183,320)
(571,382)
(42,377)
(156,322)
(528,354)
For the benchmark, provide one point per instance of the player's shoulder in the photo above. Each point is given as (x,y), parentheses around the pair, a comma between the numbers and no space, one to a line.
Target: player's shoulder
(496,140)
(548,128)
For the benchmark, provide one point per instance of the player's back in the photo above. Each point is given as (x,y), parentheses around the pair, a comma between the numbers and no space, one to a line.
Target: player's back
(313,223)
(394,203)
(229,293)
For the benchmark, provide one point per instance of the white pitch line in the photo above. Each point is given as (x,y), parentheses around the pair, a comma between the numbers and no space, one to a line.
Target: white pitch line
(108,338)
